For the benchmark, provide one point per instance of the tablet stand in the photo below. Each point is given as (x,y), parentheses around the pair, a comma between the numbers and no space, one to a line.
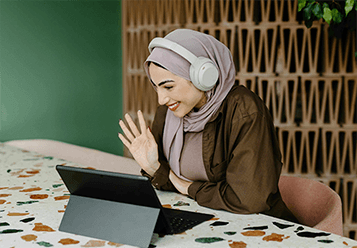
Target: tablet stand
(108,220)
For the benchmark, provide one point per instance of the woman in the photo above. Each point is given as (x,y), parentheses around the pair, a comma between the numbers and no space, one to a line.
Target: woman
(211,139)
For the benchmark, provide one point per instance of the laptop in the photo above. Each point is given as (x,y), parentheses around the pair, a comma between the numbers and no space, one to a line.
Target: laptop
(121,208)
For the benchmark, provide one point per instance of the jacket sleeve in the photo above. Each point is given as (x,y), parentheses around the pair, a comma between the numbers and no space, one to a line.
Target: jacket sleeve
(248,181)
(160,180)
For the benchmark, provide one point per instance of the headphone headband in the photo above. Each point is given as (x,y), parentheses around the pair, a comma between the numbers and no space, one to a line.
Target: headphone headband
(173,46)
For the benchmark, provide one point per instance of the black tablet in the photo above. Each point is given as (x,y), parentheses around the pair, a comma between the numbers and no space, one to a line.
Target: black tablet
(118,207)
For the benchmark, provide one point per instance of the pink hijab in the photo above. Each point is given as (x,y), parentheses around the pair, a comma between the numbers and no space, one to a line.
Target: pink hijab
(201,45)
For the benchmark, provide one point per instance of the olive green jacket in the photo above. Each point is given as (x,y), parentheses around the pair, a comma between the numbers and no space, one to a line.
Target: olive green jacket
(241,156)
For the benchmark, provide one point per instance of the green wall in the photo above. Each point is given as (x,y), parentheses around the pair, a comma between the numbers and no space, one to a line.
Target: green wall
(60,72)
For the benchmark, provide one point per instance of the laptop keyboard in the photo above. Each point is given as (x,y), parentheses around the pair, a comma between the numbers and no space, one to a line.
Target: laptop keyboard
(181,220)
(180,225)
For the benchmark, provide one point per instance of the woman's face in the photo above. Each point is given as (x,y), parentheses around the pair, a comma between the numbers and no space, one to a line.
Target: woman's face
(179,94)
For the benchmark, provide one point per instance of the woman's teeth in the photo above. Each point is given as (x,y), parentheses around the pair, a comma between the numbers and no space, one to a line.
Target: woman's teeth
(173,107)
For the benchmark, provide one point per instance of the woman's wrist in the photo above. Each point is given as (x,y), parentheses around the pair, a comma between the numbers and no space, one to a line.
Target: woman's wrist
(180,184)
(153,168)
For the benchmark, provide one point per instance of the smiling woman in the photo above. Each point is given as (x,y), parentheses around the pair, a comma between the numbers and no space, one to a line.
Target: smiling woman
(212,140)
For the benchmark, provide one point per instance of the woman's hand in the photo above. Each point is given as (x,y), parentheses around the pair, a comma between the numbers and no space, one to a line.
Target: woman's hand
(142,145)
(180,184)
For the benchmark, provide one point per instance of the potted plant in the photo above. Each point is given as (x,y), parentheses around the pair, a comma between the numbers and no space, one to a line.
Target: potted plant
(339,15)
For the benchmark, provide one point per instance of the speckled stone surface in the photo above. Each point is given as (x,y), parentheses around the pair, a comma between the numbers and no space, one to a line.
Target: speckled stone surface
(33,199)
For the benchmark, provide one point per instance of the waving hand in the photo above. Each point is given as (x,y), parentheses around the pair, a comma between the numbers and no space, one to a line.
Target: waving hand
(142,145)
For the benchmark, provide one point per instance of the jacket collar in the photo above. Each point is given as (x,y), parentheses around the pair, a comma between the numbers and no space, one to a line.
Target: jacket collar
(220,110)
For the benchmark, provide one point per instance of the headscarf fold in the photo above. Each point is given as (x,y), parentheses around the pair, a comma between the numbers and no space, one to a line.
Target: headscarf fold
(201,45)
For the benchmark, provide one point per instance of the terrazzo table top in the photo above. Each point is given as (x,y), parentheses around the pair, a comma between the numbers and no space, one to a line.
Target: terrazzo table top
(33,200)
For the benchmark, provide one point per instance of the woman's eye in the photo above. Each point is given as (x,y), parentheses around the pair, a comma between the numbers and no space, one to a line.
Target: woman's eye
(168,87)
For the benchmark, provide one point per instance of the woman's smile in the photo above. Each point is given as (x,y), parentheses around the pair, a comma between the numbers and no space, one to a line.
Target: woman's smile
(174,106)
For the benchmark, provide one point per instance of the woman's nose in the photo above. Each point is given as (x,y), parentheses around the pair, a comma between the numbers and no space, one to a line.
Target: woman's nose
(162,97)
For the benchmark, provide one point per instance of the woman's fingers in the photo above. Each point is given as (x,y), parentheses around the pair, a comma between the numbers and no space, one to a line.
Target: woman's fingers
(149,134)
(132,131)
(142,122)
(132,125)
(126,131)
(124,140)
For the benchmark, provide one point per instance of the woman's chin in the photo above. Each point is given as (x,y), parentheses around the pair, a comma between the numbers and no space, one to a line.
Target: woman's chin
(179,114)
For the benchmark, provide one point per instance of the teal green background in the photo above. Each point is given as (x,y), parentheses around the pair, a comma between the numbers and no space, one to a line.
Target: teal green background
(61,72)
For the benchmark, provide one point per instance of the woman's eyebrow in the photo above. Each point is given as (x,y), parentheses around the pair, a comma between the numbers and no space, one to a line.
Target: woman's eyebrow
(166,81)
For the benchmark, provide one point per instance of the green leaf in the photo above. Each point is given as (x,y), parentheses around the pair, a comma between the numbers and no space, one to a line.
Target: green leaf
(307,12)
(301,4)
(356,5)
(356,54)
(327,15)
(349,6)
(325,5)
(336,16)
(317,10)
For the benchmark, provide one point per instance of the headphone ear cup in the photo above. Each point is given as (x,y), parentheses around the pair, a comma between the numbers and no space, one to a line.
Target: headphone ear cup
(204,74)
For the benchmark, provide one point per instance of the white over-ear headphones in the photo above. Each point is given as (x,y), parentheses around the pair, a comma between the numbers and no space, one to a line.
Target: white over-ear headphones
(203,72)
